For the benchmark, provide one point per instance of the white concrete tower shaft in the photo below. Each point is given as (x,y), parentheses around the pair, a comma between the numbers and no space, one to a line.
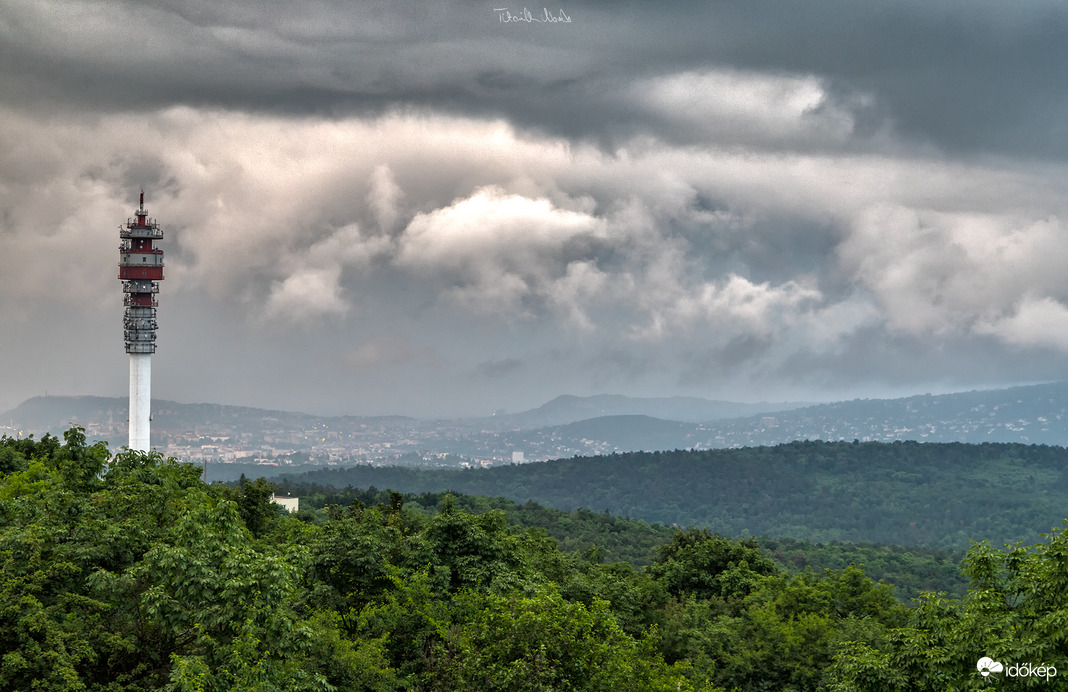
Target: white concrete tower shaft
(140,401)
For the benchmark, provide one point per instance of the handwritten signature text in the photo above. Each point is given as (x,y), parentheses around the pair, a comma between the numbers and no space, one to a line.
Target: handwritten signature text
(546,17)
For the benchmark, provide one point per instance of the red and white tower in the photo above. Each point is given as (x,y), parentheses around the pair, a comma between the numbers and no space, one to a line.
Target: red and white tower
(140,267)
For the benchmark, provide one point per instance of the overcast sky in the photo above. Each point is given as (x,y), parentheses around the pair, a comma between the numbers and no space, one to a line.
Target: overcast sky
(427,209)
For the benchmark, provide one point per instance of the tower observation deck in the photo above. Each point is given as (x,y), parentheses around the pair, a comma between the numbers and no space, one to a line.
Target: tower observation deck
(140,268)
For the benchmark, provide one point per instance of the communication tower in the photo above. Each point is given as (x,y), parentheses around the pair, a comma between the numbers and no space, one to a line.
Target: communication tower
(140,267)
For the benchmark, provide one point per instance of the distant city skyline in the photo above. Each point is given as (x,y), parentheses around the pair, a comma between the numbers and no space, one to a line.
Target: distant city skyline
(560,429)
(379,208)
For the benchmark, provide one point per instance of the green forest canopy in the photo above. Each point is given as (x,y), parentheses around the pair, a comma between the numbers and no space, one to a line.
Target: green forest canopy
(610,538)
(902,493)
(126,572)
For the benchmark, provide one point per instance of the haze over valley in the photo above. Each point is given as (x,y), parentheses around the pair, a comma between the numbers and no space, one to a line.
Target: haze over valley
(564,427)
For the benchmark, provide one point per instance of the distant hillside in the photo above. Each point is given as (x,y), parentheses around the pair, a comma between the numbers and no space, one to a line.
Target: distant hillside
(42,414)
(629,432)
(56,413)
(938,495)
(1031,414)
(569,409)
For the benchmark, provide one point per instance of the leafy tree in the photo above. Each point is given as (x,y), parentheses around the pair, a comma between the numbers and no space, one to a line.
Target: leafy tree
(471,551)
(1014,611)
(543,642)
(353,559)
(788,630)
(11,459)
(707,565)
(128,573)
(254,504)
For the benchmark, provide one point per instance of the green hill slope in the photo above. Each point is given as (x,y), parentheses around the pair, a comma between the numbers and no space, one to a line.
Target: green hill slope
(907,493)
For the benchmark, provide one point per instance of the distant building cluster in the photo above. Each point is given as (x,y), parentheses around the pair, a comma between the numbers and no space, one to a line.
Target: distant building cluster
(205,433)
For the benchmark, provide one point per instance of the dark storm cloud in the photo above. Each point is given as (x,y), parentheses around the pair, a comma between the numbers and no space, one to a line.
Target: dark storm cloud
(963,76)
(391,207)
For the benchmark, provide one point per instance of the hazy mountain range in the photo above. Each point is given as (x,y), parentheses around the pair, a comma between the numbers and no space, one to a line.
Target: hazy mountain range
(54,413)
(569,409)
(571,425)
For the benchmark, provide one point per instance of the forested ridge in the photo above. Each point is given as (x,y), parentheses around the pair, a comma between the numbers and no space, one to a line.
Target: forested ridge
(902,493)
(910,569)
(126,572)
